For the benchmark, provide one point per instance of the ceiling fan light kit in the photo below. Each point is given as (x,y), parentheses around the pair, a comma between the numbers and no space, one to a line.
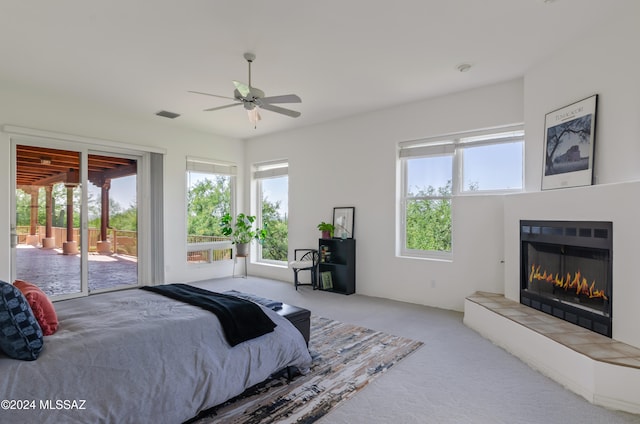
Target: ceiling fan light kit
(254,99)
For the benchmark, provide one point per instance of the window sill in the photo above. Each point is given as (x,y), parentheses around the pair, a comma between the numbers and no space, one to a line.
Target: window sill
(272,264)
(440,258)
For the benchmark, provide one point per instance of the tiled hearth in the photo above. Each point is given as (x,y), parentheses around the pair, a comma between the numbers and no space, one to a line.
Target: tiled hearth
(593,345)
(604,371)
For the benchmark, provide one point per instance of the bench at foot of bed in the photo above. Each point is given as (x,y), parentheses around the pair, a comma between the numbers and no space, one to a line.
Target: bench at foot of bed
(299,317)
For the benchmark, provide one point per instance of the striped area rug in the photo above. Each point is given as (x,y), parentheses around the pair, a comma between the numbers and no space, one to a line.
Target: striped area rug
(345,359)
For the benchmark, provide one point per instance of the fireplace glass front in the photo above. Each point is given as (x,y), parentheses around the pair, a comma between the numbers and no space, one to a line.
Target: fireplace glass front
(566,271)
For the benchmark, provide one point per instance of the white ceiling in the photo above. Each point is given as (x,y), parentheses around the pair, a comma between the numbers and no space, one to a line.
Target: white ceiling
(341,57)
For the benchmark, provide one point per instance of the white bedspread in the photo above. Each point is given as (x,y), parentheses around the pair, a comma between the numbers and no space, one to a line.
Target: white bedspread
(139,357)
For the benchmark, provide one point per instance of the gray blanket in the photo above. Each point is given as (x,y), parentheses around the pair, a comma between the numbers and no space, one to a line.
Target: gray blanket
(133,356)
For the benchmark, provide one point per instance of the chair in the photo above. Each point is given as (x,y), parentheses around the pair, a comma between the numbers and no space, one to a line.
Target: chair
(305,260)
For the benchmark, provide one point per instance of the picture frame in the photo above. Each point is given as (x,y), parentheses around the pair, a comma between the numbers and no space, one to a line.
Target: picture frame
(569,145)
(343,221)
(327,280)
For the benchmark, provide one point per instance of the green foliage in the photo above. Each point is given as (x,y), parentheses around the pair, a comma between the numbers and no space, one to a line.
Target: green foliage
(275,246)
(325,226)
(241,230)
(207,202)
(59,206)
(428,224)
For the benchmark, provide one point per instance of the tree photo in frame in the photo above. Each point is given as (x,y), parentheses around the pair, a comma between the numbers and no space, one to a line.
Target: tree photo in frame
(569,142)
(343,222)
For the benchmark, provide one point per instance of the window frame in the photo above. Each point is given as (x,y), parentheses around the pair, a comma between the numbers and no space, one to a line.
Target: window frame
(448,145)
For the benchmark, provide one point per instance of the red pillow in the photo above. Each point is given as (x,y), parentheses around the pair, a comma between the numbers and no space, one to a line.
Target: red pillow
(41,306)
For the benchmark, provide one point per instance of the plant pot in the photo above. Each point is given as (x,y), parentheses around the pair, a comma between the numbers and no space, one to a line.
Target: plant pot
(242,249)
(326,234)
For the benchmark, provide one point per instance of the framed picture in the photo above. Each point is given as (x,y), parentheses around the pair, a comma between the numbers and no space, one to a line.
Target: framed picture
(327,281)
(569,141)
(343,222)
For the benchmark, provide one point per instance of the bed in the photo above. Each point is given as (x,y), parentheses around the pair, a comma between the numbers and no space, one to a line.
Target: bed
(136,356)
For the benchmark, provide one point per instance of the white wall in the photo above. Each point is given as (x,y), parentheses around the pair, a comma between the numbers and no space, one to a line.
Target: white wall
(26,107)
(352,162)
(606,64)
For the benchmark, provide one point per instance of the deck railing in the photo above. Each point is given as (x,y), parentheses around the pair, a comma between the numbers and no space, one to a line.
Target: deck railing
(207,249)
(200,249)
(123,242)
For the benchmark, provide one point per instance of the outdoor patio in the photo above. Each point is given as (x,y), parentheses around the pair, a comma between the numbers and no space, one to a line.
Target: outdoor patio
(58,274)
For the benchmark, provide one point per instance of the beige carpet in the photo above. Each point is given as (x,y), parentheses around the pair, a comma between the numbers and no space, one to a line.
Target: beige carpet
(345,359)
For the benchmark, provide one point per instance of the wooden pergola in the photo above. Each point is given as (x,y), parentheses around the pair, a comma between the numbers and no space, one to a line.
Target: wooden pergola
(42,167)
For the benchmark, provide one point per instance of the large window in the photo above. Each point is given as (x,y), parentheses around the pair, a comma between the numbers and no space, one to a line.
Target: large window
(210,188)
(435,170)
(272,188)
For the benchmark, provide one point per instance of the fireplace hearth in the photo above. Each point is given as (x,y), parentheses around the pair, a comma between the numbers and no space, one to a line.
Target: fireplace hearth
(566,271)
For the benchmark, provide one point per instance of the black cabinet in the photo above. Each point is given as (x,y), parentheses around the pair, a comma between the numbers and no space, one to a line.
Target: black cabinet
(337,265)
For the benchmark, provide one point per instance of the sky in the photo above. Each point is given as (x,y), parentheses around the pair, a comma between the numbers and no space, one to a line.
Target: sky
(123,191)
(492,167)
(275,189)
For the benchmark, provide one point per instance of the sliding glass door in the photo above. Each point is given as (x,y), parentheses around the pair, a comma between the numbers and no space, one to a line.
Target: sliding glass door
(75,229)
(112,203)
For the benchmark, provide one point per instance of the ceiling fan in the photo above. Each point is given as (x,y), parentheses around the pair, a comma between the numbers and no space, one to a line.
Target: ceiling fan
(254,99)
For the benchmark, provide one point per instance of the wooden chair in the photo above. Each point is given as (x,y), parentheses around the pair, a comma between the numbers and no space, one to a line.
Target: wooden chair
(305,260)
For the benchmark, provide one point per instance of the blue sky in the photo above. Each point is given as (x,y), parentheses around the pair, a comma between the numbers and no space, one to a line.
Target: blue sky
(493,167)
(123,191)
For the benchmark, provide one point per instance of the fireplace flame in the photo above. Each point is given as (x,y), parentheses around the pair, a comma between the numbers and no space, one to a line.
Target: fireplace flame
(577,283)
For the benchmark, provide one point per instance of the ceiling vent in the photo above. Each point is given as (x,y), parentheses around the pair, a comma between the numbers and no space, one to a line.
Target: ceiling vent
(167,114)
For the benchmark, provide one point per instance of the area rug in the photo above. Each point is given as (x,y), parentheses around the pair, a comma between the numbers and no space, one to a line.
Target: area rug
(345,359)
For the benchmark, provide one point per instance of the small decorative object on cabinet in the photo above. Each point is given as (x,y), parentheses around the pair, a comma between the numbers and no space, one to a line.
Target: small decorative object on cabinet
(326,228)
(343,218)
(337,265)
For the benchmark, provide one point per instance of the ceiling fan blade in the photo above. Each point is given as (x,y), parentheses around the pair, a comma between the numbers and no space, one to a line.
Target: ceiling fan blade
(222,107)
(242,88)
(212,95)
(278,109)
(286,98)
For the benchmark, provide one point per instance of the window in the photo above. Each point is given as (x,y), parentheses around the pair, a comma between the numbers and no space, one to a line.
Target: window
(210,188)
(272,183)
(435,170)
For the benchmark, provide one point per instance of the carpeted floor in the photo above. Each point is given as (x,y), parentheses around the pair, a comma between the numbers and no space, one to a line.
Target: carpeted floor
(345,359)
(456,377)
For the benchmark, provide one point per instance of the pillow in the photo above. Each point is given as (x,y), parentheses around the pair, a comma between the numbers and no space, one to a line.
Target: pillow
(41,306)
(20,333)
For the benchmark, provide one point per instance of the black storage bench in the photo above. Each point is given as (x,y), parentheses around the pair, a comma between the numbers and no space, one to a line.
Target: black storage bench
(299,317)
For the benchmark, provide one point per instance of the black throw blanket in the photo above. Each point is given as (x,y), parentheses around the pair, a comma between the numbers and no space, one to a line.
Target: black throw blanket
(241,319)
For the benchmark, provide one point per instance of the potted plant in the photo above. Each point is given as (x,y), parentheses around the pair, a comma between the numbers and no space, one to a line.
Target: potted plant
(241,231)
(327,229)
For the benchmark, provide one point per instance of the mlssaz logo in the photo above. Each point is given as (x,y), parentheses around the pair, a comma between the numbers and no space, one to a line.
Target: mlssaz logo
(63,404)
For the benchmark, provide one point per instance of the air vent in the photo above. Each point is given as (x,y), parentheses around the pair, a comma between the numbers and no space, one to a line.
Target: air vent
(167,114)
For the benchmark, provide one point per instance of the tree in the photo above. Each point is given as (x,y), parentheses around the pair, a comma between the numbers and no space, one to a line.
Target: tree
(428,225)
(59,206)
(276,245)
(207,202)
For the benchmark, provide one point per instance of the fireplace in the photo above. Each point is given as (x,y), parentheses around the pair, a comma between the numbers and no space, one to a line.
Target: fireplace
(565,271)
